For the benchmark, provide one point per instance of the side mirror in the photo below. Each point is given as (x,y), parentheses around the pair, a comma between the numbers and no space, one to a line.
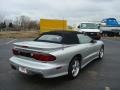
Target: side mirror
(93,41)
(78,27)
(98,38)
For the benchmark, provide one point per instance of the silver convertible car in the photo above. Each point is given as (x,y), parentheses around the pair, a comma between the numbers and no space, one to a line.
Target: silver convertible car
(56,53)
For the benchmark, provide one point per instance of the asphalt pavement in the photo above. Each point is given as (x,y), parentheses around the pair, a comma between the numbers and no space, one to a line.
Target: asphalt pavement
(98,75)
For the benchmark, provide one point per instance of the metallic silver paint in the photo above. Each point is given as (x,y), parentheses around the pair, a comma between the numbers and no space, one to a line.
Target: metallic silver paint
(63,54)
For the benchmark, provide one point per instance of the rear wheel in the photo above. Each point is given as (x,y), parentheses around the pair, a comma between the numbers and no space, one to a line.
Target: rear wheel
(74,68)
(101,53)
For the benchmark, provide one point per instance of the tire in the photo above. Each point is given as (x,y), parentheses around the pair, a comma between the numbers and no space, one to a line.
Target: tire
(74,68)
(101,53)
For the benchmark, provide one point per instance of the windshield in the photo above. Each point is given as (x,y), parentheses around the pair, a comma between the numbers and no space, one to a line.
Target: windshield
(89,26)
(50,38)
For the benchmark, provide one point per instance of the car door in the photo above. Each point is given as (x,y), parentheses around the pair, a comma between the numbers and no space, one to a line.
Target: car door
(89,48)
(94,50)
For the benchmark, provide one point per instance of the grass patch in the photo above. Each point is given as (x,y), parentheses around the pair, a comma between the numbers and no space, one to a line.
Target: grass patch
(19,34)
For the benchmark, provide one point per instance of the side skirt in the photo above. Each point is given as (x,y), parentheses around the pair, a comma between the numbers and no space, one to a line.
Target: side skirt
(89,62)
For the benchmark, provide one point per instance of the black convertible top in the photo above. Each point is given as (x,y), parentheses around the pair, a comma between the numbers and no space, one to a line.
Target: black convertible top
(62,32)
(69,37)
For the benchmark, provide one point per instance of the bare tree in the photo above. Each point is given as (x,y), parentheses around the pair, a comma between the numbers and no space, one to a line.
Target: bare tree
(17,22)
(33,24)
(2,25)
(1,18)
(24,21)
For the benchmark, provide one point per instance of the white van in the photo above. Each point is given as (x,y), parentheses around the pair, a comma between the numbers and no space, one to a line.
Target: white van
(91,29)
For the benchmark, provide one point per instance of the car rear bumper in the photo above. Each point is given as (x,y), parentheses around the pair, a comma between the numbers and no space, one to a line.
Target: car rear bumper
(46,70)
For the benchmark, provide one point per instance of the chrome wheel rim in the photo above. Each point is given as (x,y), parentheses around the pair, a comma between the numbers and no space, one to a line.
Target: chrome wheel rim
(101,53)
(76,68)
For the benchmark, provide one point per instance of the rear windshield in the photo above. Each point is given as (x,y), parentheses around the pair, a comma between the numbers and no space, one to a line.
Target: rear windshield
(50,38)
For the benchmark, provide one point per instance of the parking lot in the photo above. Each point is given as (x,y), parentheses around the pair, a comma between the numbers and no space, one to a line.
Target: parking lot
(98,75)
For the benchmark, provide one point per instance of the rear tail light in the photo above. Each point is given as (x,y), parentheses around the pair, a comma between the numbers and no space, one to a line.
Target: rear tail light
(15,51)
(43,57)
(37,56)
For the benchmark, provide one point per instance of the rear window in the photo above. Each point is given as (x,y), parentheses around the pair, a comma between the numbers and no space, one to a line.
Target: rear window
(50,38)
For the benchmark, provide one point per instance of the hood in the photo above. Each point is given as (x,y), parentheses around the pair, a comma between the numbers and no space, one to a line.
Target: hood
(89,30)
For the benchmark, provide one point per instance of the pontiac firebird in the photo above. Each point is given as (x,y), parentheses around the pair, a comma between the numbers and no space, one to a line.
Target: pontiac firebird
(56,53)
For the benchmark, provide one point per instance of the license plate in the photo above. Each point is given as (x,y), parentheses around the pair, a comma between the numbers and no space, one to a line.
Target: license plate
(23,70)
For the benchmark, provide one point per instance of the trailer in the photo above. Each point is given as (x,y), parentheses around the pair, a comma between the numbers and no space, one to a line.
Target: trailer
(47,25)
(110,27)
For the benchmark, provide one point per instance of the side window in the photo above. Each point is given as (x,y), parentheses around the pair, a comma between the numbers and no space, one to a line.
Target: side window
(83,38)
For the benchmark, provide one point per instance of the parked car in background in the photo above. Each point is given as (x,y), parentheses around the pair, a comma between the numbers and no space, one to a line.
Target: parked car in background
(91,29)
(56,53)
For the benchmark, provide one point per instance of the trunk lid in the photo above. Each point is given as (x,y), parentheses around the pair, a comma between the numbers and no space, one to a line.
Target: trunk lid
(41,46)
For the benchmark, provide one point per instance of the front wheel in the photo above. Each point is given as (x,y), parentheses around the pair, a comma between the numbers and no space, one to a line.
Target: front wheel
(101,53)
(74,68)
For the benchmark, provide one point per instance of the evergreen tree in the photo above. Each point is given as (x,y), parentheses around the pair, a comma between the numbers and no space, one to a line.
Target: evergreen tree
(10,25)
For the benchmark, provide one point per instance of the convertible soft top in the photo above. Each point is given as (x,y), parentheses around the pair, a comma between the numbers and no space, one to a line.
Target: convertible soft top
(63,32)
(69,37)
